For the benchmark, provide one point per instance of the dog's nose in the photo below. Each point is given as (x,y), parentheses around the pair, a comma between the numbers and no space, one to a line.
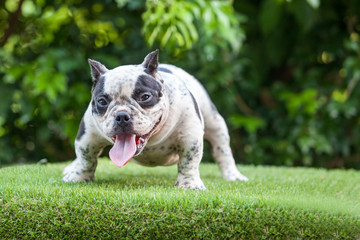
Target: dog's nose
(122,117)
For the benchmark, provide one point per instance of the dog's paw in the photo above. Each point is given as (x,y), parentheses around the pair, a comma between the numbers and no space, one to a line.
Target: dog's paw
(234,175)
(73,176)
(69,168)
(75,172)
(189,183)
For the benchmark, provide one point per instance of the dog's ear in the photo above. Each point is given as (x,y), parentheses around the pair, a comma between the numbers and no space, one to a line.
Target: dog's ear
(97,69)
(151,62)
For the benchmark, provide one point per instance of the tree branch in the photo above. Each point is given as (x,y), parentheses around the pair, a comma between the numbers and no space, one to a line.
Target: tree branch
(13,20)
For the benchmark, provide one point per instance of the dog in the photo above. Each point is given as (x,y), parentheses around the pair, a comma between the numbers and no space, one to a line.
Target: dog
(156,115)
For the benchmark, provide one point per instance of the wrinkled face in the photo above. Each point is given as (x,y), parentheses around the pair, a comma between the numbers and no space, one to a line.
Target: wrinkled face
(127,105)
(127,100)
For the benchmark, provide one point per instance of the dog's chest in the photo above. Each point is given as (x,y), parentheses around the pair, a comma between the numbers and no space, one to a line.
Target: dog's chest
(164,154)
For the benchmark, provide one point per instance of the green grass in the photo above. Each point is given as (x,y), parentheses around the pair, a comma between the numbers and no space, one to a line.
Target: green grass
(141,203)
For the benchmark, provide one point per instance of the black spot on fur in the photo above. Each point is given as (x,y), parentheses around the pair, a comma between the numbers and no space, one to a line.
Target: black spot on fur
(81,130)
(162,69)
(196,106)
(98,86)
(97,93)
(148,85)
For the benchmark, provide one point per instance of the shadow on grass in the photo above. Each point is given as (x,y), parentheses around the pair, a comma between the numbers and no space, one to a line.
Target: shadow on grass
(134,181)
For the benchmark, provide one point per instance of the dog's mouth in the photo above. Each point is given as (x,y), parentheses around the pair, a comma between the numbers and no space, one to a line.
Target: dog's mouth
(127,145)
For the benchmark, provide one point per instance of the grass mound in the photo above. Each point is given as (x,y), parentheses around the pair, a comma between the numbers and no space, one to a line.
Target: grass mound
(141,203)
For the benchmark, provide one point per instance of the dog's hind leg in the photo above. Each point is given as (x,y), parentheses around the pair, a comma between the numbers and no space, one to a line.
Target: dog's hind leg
(216,133)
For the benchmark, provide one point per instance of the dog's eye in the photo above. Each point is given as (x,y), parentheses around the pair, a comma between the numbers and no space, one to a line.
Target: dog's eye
(144,97)
(102,102)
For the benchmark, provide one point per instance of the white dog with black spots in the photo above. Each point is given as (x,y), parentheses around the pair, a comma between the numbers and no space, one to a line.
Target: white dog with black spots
(156,115)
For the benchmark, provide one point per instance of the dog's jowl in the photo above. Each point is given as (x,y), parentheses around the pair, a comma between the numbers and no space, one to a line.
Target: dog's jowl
(156,115)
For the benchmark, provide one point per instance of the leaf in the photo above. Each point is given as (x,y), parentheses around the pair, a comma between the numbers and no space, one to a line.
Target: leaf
(193,32)
(207,16)
(154,35)
(28,8)
(251,124)
(314,3)
(305,100)
(339,96)
(305,143)
(167,36)
(179,39)
(222,18)
(184,31)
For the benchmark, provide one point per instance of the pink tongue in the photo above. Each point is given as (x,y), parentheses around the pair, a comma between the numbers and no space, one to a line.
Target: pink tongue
(123,149)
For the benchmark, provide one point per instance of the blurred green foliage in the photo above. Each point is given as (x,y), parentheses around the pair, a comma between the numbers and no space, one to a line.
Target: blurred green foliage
(284,74)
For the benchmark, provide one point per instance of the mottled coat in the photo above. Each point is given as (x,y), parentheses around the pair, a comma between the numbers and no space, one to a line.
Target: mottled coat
(165,110)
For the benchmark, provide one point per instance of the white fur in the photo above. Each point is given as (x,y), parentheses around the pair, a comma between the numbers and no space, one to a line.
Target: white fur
(178,139)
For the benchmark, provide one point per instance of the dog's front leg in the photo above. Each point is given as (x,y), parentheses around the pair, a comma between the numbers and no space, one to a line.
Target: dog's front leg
(82,169)
(188,166)
(88,145)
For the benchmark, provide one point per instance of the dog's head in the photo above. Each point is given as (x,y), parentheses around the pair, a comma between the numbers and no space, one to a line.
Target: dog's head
(127,105)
